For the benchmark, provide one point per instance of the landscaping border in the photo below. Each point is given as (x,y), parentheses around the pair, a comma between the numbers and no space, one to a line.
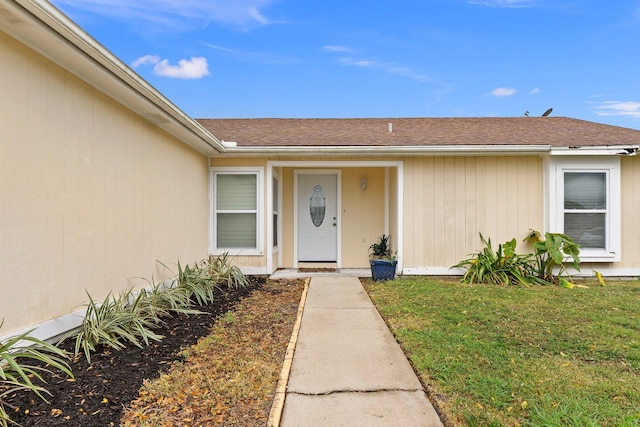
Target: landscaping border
(281,389)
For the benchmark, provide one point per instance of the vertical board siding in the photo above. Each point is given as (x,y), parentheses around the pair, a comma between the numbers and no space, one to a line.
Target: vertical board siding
(630,201)
(450,200)
(91,195)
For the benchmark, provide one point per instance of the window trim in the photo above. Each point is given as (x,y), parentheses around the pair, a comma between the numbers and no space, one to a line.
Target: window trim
(610,165)
(276,210)
(259,173)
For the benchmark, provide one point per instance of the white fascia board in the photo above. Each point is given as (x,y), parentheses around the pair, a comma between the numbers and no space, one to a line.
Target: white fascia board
(610,150)
(440,150)
(45,29)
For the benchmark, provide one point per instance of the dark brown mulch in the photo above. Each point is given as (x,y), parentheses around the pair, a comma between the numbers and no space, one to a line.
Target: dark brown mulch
(103,388)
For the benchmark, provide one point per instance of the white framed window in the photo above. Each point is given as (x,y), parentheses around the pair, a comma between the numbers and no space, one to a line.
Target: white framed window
(584,204)
(236,211)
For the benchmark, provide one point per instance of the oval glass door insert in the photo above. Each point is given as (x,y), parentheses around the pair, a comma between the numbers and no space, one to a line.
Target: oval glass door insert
(317,205)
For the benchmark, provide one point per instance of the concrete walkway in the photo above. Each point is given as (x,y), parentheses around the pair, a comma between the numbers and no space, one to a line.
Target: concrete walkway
(347,368)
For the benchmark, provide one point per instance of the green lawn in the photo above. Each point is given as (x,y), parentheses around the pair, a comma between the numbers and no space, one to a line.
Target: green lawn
(536,356)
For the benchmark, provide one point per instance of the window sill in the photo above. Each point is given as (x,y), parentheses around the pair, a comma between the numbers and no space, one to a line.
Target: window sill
(237,252)
(599,257)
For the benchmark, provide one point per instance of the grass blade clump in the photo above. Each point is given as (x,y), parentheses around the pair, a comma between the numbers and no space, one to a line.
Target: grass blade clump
(115,321)
(23,359)
(131,316)
(162,301)
(197,282)
(228,274)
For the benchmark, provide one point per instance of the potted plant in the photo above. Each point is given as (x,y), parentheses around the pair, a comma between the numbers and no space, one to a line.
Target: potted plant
(383,263)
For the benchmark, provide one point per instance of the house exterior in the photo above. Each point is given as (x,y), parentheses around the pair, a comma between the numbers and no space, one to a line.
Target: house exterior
(432,184)
(103,181)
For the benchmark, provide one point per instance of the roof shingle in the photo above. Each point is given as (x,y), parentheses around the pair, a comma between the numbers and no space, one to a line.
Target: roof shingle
(414,132)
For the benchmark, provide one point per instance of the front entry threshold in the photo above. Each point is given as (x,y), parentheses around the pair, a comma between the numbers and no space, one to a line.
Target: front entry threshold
(295,273)
(316,264)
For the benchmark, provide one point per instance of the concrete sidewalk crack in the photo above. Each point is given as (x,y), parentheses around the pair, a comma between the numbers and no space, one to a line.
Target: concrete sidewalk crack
(381,390)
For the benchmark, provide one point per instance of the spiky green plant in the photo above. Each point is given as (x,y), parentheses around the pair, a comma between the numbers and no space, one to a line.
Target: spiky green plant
(114,321)
(382,248)
(501,267)
(198,282)
(161,301)
(227,274)
(504,266)
(17,371)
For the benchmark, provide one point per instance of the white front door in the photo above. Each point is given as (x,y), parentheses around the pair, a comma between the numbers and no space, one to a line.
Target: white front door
(317,217)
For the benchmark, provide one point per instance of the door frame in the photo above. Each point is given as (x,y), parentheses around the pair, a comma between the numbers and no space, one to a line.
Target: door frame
(296,175)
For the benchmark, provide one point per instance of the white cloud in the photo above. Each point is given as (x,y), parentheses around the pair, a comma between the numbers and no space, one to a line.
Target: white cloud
(147,59)
(534,91)
(387,67)
(334,48)
(503,91)
(194,68)
(180,15)
(619,108)
(358,62)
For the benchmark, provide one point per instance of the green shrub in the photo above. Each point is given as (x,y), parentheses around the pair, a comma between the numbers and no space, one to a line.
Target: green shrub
(114,322)
(382,248)
(161,301)
(132,316)
(16,372)
(198,282)
(500,267)
(505,267)
(227,273)
(213,274)
(550,253)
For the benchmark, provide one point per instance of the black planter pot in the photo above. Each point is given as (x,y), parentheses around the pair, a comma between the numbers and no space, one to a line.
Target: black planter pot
(382,269)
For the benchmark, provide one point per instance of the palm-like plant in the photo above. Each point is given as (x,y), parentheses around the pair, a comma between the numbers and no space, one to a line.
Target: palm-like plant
(160,301)
(132,316)
(23,359)
(226,273)
(115,320)
(501,267)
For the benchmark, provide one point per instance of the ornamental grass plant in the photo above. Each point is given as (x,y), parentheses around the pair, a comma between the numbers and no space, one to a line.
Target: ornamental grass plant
(131,316)
(23,358)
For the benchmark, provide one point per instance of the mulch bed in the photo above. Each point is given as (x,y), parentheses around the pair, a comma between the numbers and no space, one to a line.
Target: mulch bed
(102,389)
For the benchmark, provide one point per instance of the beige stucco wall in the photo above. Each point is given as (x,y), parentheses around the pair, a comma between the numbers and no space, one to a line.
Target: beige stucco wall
(91,195)
(449,200)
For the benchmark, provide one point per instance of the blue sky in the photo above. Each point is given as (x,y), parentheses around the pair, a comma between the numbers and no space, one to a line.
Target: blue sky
(374,58)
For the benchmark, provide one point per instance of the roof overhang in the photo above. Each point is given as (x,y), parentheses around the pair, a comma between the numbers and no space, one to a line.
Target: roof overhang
(440,150)
(45,29)
(612,150)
